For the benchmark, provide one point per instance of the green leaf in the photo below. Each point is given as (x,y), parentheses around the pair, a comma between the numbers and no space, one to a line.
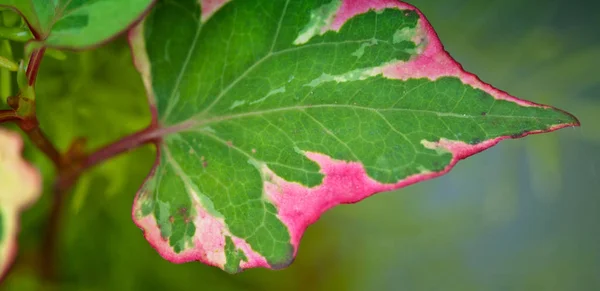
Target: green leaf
(272,112)
(78,23)
(26,9)
(8,64)
(5,75)
(20,185)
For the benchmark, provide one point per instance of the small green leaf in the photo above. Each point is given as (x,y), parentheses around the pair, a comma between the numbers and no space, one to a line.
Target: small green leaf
(9,17)
(26,9)
(78,23)
(5,75)
(8,64)
(272,112)
(20,185)
(20,34)
(56,54)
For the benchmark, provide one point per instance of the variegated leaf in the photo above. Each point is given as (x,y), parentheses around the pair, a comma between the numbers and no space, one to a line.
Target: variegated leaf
(271,112)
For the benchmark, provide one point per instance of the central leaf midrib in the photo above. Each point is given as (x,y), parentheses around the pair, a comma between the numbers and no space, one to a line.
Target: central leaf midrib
(163,131)
(195,123)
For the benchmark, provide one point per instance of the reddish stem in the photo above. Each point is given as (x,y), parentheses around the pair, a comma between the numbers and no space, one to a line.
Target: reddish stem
(31,127)
(34,65)
(123,145)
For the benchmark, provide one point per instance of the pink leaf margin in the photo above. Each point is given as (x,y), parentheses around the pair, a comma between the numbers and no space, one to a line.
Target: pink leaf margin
(208,242)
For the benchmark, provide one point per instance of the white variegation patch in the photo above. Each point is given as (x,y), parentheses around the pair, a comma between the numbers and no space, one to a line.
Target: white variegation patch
(320,22)
(354,75)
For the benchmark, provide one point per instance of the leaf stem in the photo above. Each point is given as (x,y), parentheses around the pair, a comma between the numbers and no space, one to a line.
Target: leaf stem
(123,145)
(34,64)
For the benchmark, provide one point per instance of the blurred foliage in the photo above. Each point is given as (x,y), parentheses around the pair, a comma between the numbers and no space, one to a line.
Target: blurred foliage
(520,216)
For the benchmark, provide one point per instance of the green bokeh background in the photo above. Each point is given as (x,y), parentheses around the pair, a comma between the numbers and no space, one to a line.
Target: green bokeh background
(520,216)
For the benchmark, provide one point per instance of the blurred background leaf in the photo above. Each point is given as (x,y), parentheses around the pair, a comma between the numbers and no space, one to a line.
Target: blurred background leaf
(521,216)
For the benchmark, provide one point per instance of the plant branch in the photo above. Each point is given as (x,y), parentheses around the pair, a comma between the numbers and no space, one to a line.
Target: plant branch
(31,127)
(36,135)
(51,237)
(71,172)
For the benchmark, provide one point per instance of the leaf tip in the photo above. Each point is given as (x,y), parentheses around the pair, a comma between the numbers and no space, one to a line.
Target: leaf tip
(284,261)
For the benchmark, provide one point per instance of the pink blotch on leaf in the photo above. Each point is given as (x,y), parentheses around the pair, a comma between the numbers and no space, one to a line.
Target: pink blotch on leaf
(343,183)
(209,7)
